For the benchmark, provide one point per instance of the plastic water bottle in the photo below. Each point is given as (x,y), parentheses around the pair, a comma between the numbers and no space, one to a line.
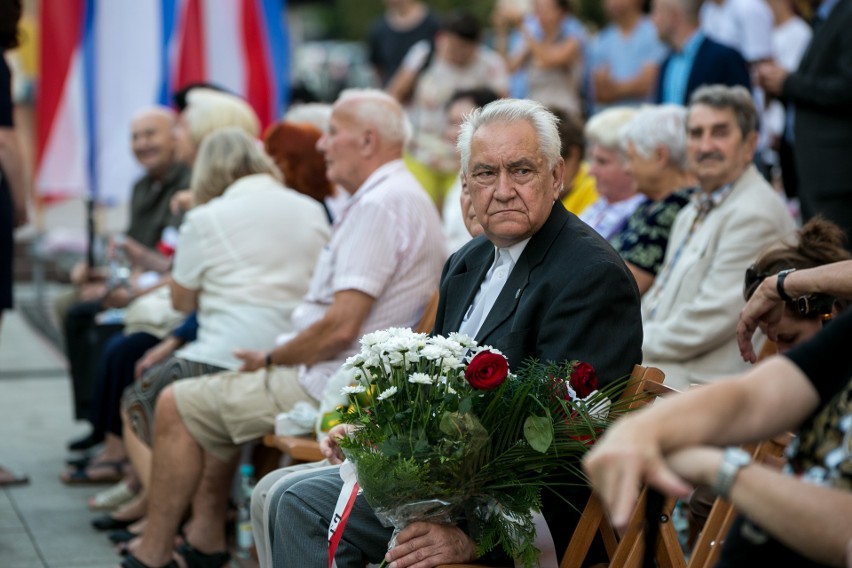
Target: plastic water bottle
(245,540)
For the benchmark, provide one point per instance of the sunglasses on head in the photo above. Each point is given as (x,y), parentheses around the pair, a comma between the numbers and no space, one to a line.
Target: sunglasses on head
(753,278)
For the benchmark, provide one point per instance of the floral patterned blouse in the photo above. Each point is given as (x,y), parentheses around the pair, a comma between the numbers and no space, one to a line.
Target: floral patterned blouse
(643,240)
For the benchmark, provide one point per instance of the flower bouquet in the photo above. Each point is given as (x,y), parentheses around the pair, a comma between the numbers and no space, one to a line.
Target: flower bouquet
(445,432)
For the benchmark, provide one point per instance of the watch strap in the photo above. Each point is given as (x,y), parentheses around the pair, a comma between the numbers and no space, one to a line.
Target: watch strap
(733,460)
(779,285)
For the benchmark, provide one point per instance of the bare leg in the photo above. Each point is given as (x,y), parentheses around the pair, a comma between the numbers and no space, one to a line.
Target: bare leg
(175,473)
(138,451)
(206,531)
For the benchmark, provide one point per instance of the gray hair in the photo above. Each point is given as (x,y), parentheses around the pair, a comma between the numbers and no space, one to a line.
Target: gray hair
(316,114)
(208,110)
(736,98)
(378,109)
(542,120)
(225,156)
(655,126)
(604,128)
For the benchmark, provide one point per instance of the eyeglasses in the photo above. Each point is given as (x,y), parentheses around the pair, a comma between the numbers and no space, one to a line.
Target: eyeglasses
(753,278)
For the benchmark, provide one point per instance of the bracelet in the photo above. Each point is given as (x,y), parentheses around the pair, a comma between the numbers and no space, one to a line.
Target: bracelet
(269,359)
(779,285)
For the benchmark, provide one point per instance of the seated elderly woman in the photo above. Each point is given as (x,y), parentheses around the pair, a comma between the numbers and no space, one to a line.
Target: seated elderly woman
(292,145)
(655,144)
(244,260)
(617,197)
(202,111)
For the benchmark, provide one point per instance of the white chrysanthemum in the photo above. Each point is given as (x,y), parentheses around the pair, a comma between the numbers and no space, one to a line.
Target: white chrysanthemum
(352,389)
(420,379)
(375,338)
(462,339)
(451,364)
(387,393)
(450,346)
(432,352)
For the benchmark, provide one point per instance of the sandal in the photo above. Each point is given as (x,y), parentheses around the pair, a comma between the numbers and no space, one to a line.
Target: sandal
(122,535)
(110,523)
(196,559)
(8,478)
(82,476)
(112,498)
(131,561)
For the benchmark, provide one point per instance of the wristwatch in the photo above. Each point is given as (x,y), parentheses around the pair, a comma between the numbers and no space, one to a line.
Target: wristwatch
(733,460)
(779,285)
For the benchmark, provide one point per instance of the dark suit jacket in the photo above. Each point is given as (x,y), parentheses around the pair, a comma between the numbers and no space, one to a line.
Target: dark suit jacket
(570,296)
(714,64)
(821,91)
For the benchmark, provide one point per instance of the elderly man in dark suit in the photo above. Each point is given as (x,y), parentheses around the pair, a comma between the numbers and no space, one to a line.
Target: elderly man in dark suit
(538,283)
(820,93)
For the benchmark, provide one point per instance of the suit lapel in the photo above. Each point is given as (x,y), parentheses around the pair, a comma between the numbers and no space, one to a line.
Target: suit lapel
(477,264)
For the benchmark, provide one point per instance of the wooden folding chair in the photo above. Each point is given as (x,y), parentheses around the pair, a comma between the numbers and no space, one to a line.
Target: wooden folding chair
(705,552)
(306,448)
(646,383)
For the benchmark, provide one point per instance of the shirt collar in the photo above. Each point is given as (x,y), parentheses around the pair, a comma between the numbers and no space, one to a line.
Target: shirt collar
(515,250)
(373,180)
(825,9)
(706,202)
(690,48)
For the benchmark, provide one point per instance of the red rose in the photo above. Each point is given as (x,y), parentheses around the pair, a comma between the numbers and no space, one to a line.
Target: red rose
(487,370)
(583,381)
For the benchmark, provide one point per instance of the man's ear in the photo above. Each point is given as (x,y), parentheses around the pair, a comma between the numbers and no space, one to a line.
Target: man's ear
(662,155)
(556,174)
(369,142)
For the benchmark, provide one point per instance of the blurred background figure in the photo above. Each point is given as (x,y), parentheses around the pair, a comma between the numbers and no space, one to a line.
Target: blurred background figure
(428,78)
(545,51)
(404,23)
(459,222)
(13,183)
(695,59)
(655,144)
(820,93)
(617,197)
(578,186)
(625,57)
(790,37)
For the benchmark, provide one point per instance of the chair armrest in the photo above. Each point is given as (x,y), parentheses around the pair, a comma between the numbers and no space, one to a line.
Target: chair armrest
(299,448)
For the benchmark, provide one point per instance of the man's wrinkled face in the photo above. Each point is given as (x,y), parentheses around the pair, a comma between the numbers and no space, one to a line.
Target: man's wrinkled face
(718,153)
(511,187)
(152,141)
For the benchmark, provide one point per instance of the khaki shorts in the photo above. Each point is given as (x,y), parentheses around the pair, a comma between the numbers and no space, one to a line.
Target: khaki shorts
(223,410)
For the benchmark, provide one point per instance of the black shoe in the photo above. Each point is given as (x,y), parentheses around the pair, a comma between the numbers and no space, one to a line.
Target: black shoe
(122,535)
(85,443)
(110,523)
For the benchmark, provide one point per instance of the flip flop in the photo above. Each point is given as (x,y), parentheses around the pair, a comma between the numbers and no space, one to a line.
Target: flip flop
(110,523)
(112,498)
(9,479)
(195,559)
(123,535)
(81,476)
(131,561)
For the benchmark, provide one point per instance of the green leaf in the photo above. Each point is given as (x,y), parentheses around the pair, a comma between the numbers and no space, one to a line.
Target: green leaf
(538,431)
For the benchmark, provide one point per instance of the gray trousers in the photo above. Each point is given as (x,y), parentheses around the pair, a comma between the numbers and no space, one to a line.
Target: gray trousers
(297,509)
